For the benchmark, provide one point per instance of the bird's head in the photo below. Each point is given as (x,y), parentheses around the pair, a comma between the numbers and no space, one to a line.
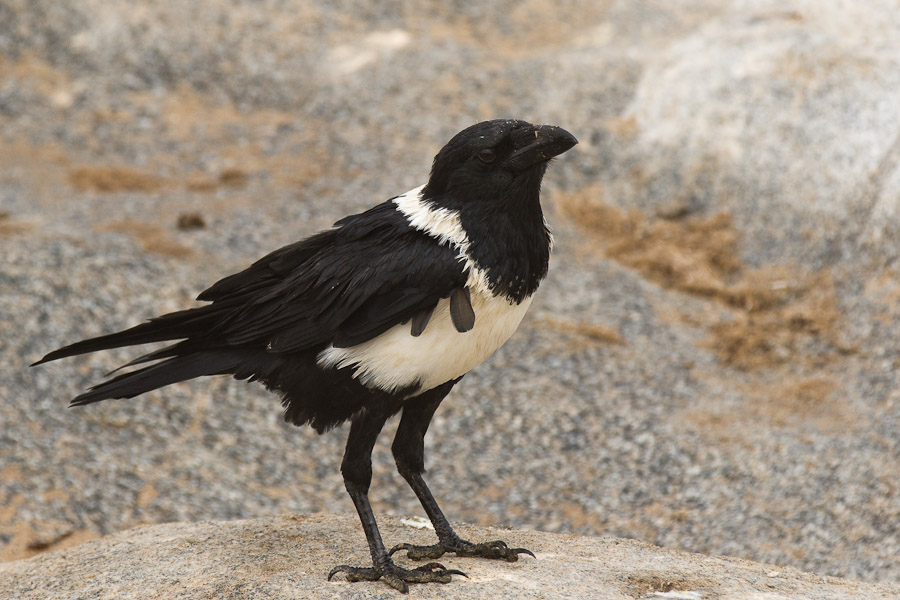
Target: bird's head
(497,164)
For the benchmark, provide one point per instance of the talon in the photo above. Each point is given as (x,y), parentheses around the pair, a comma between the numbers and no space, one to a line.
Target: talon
(337,570)
(524,551)
(498,550)
(354,574)
(456,572)
(399,547)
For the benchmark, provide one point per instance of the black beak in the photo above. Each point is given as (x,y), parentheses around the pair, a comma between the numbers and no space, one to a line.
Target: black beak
(538,145)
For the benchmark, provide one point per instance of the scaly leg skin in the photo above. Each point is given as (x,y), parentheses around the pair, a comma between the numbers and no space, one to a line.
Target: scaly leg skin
(448,540)
(357,471)
(409,454)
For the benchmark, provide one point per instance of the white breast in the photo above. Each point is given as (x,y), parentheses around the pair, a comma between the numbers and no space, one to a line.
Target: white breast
(395,359)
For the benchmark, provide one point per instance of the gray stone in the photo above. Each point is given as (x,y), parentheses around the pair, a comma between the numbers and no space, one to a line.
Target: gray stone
(288,557)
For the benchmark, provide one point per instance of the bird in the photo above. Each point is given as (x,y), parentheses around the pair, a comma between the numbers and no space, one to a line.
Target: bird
(380,315)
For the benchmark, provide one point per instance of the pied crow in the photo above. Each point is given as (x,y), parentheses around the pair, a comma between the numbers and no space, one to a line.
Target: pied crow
(385,312)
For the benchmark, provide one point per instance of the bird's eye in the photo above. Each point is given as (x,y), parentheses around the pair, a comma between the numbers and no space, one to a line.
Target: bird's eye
(486,155)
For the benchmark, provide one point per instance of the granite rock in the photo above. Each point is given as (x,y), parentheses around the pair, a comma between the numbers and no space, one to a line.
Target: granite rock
(288,557)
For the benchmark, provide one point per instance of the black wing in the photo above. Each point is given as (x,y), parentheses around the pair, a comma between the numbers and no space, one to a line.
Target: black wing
(375,273)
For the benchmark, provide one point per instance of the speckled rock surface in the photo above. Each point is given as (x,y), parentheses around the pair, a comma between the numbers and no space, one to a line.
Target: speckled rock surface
(710,366)
(288,557)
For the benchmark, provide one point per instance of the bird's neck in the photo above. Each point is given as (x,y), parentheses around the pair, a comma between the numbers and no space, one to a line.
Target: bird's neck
(512,246)
(509,244)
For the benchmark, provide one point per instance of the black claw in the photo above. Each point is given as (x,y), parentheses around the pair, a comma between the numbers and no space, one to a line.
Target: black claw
(355,573)
(524,551)
(399,547)
(456,572)
(433,567)
(336,570)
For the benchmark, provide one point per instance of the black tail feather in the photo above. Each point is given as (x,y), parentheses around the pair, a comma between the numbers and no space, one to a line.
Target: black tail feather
(173,326)
(173,370)
(182,348)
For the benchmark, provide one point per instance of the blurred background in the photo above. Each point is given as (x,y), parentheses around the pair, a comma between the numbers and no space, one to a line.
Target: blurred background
(710,366)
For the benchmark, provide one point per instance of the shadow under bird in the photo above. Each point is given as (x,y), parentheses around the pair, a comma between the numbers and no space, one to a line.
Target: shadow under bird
(383,313)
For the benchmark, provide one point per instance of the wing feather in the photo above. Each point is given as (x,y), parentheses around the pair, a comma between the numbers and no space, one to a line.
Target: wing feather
(374,274)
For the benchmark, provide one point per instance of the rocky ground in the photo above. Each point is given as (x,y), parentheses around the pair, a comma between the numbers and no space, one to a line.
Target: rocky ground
(289,558)
(710,366)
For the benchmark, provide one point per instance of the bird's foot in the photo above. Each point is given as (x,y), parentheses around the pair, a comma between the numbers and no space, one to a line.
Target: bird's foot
(496,550)
(397,577)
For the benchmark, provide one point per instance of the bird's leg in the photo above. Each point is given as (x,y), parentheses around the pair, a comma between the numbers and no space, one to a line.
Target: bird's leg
(409,453)
(357,471)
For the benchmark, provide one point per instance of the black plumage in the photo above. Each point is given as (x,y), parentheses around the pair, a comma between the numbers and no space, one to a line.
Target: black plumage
(375,316)
(344,286)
